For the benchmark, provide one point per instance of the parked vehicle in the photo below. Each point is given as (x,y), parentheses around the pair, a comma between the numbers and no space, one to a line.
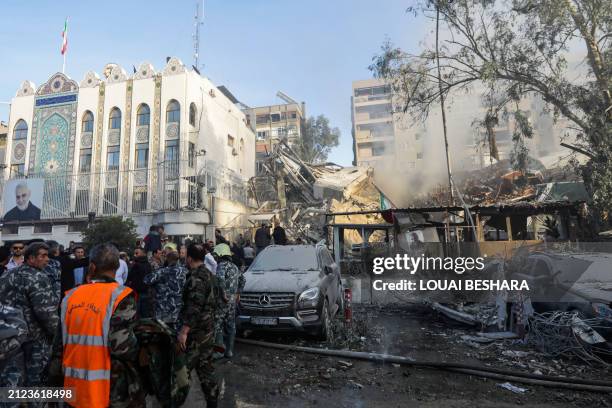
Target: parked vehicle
(580,282)
(291,288)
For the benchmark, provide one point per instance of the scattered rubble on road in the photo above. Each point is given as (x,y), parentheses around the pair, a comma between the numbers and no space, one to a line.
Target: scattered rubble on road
(513,388)
(279,378)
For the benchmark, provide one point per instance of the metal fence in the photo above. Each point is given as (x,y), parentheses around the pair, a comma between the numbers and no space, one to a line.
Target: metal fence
(170,186)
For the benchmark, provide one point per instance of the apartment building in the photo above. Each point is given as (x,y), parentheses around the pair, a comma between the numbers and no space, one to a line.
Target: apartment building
(274,122)
(379,135)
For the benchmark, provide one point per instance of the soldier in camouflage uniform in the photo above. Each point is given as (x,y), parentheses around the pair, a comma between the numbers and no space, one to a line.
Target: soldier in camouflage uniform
(13,332)
(28,289)
(196,334)
(233,282)
(168,284)
(164,368)
(53,270)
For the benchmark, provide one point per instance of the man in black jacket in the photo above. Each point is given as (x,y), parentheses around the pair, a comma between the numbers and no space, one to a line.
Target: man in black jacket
(139,270)
(68,265)
(262,237)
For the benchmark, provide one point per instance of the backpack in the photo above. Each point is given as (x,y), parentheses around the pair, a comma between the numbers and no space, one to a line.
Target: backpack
(13,331)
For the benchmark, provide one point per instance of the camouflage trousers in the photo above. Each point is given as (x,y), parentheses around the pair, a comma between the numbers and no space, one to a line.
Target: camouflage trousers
(225,318)
(12,374)
(37,355)
(199,357)
(126,389)
(12,371)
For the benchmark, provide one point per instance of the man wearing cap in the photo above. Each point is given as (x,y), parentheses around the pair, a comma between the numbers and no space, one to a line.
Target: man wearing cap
(168,283)
(232,282)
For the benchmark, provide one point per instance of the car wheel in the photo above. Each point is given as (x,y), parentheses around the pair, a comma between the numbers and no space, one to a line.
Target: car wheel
(326,323)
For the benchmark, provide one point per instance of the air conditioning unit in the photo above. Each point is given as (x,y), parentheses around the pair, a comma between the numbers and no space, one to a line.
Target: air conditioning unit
(234,151)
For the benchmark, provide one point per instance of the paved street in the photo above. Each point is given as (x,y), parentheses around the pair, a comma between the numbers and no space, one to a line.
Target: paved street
(260,377)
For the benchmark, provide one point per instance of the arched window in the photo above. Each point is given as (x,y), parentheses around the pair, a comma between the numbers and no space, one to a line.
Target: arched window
(88,122)
(173,112)
(241,145)
(21,130)
(193,112)
(143,117)
(114,121)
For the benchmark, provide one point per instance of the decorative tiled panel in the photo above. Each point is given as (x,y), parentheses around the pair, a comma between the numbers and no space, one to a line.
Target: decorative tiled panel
(56,100)
(142,134)
(140,177)
(53,138)
(174,66)
(117,74)
(172,131)
(83,182)
(114,137)
(91,80)
(145,70)
(98,144)
(58,83)
(112,178)
(125,148)
(86,140)
(156,129)
(26,89)
(19,152)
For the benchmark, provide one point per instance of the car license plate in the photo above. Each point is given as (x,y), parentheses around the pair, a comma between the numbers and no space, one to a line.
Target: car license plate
(264,321)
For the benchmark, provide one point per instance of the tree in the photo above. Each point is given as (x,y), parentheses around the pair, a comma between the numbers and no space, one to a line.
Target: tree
(516,49)
(317,140)
(116,230)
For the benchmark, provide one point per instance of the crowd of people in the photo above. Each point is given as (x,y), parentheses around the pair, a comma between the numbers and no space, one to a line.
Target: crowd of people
(58,306)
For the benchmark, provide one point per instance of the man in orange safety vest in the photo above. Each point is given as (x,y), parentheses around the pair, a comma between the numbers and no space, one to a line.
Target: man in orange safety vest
(99,347)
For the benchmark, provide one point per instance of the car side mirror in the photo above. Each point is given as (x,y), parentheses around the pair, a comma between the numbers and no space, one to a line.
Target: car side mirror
(328,269)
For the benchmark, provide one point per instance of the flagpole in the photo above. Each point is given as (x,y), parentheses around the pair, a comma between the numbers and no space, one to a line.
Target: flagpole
(64,44)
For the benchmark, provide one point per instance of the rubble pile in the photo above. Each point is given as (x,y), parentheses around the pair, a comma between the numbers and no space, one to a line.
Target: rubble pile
(566,334)
(300,193)
(500,183)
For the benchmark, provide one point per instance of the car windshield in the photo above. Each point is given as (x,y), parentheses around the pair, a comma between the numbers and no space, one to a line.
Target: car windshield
(286,258)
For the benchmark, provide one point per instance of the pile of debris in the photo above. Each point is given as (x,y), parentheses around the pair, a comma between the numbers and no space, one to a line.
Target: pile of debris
(500,183)
(299,194)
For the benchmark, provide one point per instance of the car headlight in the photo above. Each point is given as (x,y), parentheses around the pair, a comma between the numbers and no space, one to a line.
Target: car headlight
(309,297)
(602,310)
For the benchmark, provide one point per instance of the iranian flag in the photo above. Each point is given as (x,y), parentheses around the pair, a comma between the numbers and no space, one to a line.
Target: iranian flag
(65,38)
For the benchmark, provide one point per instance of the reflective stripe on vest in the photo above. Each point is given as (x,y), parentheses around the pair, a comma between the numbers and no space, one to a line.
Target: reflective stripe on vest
(88,375)
(86,314)
(84,340)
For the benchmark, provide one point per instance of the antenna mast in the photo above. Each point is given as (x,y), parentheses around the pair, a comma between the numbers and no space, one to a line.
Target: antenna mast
(196,34)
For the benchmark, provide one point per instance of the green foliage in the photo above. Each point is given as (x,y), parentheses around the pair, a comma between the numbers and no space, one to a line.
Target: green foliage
(117,230)
(515,49)
(318,138)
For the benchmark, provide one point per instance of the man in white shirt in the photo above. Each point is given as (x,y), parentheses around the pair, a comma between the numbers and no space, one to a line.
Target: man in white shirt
(210,263)
(122,273)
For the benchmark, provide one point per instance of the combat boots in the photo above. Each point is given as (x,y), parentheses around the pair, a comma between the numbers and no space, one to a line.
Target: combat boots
(229,349)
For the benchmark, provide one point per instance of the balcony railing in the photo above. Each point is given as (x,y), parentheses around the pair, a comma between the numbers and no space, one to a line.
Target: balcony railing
(170,186)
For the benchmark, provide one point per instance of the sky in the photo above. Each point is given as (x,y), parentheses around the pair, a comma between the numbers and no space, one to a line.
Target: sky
(312,50)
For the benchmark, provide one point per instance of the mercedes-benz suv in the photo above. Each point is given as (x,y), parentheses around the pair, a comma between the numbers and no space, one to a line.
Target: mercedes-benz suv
(291,288)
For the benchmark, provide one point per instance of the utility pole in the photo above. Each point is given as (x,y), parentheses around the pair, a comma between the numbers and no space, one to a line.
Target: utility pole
(448,164)
(198,17)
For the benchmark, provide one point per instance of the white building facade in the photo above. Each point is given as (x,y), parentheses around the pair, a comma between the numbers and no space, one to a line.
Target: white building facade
(160,147)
